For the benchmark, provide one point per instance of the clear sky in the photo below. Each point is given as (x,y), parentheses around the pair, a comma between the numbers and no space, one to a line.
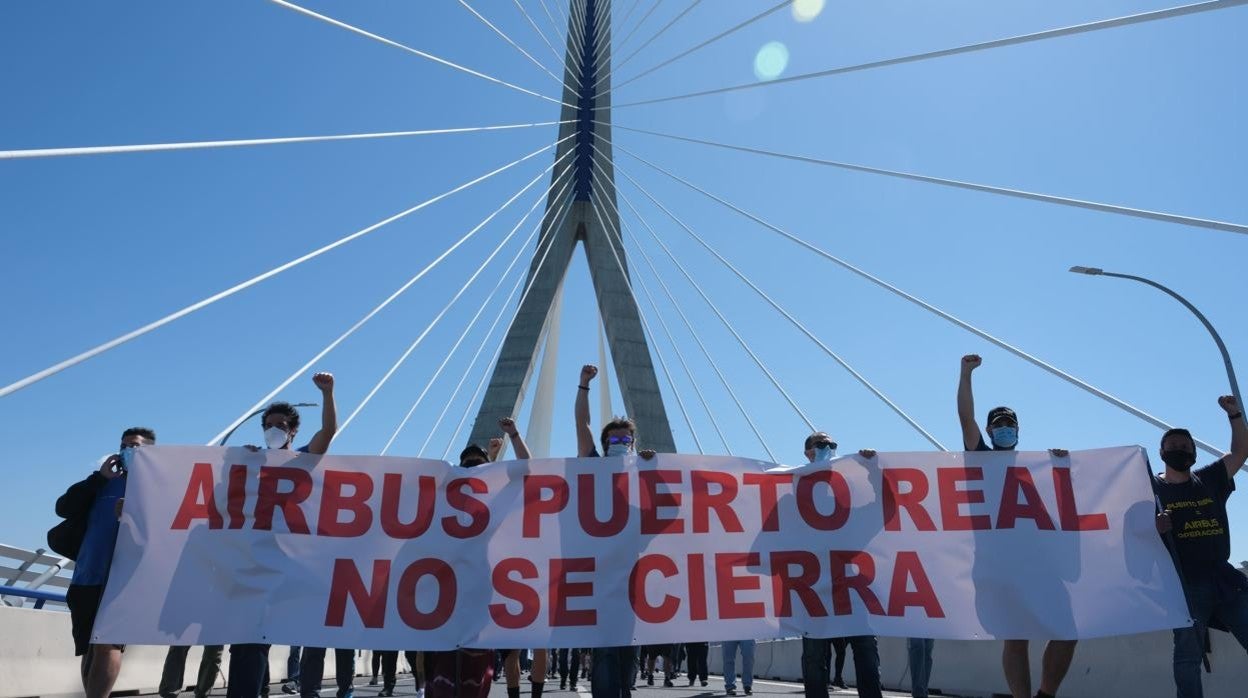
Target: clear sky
(1146,116)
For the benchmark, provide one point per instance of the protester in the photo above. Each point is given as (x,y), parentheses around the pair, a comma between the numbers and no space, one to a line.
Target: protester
(388,662)
(920,651)
(249,662)
(291,685)
(312,671)
(174,672)
(697,652)
(96,501)
(747,666)
(612,675)
(1194,522)
(820,448)
(837,661)
(650,654)
(1002,428)
(569,661)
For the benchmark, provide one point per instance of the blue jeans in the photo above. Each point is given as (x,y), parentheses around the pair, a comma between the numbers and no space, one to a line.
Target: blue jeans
(1207,599)
(312,669)
(730,663)
(866,666)
(249,664)
(612,675)
(920,664)
(292,665)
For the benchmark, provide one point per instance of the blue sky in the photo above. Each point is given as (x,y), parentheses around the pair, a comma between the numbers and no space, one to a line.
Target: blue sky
(1143,116)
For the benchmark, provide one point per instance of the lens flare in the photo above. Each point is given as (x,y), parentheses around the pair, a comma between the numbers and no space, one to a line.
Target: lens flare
(771,60)
(807,10)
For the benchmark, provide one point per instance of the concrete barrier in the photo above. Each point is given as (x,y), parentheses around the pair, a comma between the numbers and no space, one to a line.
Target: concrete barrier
(1131,666)
(37,659)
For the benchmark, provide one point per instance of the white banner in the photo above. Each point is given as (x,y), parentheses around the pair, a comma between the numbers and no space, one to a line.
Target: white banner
(224,546)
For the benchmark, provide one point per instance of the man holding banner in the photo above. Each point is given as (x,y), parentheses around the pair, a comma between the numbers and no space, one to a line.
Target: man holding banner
(1194,519)
(249,662)
(1002,428)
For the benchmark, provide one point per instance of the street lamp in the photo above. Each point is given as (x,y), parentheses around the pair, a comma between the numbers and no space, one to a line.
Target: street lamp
(1226,357)
(230,433)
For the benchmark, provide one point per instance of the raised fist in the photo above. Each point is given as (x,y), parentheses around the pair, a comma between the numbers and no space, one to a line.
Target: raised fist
(324,381)
(495,448)
(1228,403)
(508,425)
(970,362)
(588,373)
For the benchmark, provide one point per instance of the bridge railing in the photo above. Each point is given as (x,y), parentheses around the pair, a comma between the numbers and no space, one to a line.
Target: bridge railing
(33,575)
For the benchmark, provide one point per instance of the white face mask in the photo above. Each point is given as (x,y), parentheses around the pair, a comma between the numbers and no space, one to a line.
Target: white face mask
(618,450)
(824,454)
(275,438)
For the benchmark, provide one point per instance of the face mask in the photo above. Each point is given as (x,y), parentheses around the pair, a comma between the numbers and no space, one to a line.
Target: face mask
(1004,437)
(127,457)
(275,438)
(1179,459)
(824,454)
(618,450)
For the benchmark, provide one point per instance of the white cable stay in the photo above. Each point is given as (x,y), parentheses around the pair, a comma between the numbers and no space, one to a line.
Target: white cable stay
(1035,361)
(198,145)
(472,323)
(490,364)
(414,51)
(1140,18)
(480,268)
(509,40)
(765,13)
(576,41)
(529,19)
(205,302)
(636,26)
(671,340)
(791,318)
(554,23)
(697,338)
(647,42)
(649,334)
(378,308)
(973,186)
(726,322)
(628,13)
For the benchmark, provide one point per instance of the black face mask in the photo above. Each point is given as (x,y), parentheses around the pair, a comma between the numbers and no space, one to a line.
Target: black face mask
(1179,459)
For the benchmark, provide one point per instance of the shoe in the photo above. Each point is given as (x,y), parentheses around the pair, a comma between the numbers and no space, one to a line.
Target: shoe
(731,691)
(839,682)
(703,682)
(650,680)
(290,688)
(563,685)
(667,683)
(372,681)
(385,692)
(749,691)
(691,681)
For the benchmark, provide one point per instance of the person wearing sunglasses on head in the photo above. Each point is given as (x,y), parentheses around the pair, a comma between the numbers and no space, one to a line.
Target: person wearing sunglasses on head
(612,672)
(1002,428)
(820,448)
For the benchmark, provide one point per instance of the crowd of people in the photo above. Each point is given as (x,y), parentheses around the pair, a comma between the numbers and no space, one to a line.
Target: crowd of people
(1191,518)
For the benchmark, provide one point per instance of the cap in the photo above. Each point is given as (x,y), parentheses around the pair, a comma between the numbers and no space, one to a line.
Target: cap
(473,449)
(998,412)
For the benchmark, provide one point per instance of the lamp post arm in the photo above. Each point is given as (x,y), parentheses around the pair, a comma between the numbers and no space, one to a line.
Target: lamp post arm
(1226,356)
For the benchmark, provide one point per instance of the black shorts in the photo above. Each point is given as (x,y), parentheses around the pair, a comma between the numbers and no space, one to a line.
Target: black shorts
(84,603)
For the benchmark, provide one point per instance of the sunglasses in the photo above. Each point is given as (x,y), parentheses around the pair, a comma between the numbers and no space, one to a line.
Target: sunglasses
(823,444)
(626,440)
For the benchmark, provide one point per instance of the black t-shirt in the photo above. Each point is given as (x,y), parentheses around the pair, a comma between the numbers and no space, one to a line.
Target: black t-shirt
(1198,513)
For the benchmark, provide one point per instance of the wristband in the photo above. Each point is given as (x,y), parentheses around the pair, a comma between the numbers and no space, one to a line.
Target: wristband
(1235,416)
(583,387)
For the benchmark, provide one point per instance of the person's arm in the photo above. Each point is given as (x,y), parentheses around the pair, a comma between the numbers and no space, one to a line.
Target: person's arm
(329,414)
(80,495)
(584,431)
(1239,435)
(966,403)
(508,425)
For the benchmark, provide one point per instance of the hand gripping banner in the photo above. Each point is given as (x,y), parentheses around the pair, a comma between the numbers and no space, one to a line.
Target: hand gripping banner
(229,545)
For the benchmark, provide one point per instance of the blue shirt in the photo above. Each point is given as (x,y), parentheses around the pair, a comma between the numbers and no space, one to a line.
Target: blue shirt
(96,555)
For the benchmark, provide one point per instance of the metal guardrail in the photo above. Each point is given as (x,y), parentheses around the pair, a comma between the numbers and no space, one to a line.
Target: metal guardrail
(40,596)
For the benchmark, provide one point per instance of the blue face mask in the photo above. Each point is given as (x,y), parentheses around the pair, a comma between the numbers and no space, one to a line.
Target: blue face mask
(618,450)
(1004,437)
(823,454)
